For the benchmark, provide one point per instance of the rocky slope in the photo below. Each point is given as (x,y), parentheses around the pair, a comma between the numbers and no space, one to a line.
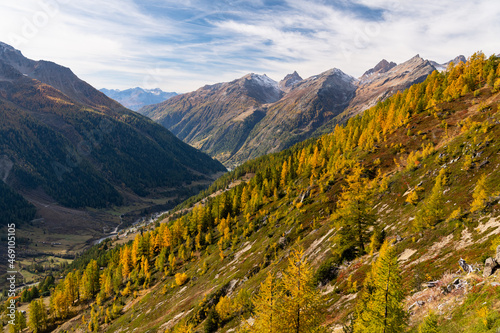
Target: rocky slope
(136,98)
(385,79)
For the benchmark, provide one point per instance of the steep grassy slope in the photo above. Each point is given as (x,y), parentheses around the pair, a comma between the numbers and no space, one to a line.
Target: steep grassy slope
(245,226)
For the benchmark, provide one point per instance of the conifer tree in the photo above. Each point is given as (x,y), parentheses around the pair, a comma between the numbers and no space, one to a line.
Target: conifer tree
(19,323)
(90,280)
(302,304)
(380,309)
(480,195)
(267,306)
(354,215)
(431,210)
(37,319)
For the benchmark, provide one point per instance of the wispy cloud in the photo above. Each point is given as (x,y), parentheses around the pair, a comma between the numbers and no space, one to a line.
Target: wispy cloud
(181,46)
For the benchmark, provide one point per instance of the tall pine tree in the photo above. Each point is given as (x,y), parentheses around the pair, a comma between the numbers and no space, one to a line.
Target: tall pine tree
(354,215)
(302,304)
(380,309)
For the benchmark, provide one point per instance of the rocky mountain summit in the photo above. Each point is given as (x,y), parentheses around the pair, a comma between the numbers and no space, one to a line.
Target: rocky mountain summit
(251,116)
(289,80)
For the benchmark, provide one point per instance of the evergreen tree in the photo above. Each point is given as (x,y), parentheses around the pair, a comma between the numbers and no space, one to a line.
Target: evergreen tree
(302,304)
(380,309)
(354,215)
(480,195)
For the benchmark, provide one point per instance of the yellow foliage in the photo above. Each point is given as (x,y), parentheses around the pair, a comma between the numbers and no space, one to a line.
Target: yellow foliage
(412,198)
(181,278)
(224,308)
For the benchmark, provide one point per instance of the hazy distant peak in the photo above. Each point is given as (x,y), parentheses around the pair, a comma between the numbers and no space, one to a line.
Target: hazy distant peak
(136,98)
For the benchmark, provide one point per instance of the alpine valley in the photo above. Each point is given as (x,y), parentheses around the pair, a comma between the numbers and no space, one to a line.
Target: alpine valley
(75,164)
(354,205)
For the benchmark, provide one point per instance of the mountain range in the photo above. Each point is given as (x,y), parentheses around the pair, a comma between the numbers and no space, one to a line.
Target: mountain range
(255,115)
(136,98)
(64,141)
(390,222)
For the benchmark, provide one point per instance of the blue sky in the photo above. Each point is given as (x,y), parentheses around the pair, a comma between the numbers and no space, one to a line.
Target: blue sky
(181,46)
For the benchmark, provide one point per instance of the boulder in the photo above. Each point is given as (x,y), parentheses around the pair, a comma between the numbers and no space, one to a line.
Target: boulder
(488,270)
(497,258)
(489,266)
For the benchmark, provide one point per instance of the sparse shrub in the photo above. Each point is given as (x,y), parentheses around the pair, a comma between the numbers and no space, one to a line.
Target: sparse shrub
(467,164)
(412,198)
(455,215)
(212,321)
(429,325)
(181,278)
(326,272)
(486,317)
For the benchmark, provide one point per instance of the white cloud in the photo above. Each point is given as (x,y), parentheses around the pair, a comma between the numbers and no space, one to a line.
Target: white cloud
(180,47)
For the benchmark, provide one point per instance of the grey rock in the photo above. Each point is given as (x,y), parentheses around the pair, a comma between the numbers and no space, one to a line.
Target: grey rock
(488,270)
(489,266)
(465,266)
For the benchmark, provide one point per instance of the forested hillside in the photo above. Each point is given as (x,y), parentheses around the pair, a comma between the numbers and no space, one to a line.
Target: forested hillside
(79,147)
(345,233)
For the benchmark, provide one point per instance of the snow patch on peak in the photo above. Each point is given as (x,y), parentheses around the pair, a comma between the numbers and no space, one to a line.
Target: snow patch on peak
(264,81)
(343,76)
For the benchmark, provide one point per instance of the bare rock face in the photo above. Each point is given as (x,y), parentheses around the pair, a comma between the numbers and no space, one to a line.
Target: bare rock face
(382,67)
(385,79)
(442,67)
(287,83)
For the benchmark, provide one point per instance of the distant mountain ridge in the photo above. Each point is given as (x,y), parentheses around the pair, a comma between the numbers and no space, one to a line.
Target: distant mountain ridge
(249,117)
(136,98)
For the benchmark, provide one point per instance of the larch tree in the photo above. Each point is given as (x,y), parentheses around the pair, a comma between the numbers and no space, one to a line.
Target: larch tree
(380,309)
(266,306)
(354,215)
(431,210)
(302,304)
(37,318)
(480,195)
